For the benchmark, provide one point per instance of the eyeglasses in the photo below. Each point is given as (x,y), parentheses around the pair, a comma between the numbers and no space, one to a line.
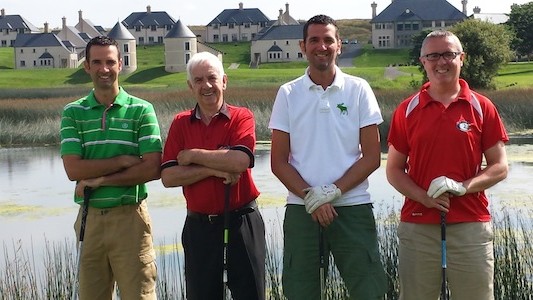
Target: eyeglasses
(448,56)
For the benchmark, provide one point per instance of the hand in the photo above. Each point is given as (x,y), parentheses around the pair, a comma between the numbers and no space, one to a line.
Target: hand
(92,183)
(184,157)
(318,195)
(443,184)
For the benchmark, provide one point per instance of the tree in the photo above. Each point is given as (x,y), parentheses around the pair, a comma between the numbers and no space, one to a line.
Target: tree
(521,22)
(487,48)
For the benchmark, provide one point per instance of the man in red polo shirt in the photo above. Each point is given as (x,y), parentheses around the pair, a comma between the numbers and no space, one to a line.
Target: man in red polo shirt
(437,141)
(207,148)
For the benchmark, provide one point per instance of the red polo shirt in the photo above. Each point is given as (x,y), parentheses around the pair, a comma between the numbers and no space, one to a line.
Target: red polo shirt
(231,127)
(446,141)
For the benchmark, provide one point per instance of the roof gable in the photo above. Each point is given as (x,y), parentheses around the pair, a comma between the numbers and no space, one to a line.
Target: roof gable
(37,40)
(157,18)
(423,10)
(284,32)
(240,16)
(14,22)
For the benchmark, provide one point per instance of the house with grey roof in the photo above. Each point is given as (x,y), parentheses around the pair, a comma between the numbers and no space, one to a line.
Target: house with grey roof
(43,51)
(180,45)
(149,27)
(278,43)
(395,26)
(127,46)
(11,25)
(233,25)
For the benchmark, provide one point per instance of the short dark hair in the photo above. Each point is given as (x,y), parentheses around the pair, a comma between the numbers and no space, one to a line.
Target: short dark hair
(100,41)
(321,19)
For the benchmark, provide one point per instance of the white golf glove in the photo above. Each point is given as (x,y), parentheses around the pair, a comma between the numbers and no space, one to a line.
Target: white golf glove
(319,195)
(443,184)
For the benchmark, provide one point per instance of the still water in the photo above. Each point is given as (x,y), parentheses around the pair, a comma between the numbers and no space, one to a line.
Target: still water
(36,196)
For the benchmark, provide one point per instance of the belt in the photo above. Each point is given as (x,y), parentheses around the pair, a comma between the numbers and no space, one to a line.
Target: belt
(212,219)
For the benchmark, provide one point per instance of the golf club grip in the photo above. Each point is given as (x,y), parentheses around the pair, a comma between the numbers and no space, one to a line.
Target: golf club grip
(86,197)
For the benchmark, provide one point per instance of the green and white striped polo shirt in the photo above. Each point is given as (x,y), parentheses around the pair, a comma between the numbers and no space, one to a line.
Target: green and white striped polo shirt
(128,127)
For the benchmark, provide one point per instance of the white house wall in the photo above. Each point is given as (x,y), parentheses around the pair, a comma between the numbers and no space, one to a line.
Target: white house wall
(176,53)
(292,47)
(62,58)
(240,32)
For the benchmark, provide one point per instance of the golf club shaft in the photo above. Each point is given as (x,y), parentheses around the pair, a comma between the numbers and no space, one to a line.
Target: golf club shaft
(322,262)
(444,288)
(85,210)
(227,190)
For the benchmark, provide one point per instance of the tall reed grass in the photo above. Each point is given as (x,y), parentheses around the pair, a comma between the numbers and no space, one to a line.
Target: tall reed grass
(23,277)
(32,117)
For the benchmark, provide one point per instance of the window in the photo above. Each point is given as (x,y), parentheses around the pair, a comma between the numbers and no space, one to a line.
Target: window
(244,37)
(253,36)
(33,50)
(231,25)
(150,39)
(187,46)
(215,26)
(246,25)
(126,48)
(126,60)
(153,27)
(288,55)
(234,37)
(215,37)
(224,38)
(4,43)
(160,40)
(187,57)
(300,55)
(141,40)
(287,43)
(22,63)
(21,50)
(137,28)
(399,27)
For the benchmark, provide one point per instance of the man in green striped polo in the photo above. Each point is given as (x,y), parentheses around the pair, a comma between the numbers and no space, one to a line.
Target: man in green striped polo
(110,142)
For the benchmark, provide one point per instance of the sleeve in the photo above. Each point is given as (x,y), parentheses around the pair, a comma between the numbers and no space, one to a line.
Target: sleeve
(398,131)
(69,134)
(369,111)
(243,138)
(149,132)
(493,128)
(279,118)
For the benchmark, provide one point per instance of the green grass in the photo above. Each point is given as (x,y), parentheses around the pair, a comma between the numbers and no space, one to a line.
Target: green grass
(7,58)
(382,57)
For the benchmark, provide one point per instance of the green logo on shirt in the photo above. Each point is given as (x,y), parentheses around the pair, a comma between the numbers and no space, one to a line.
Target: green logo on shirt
(342,108)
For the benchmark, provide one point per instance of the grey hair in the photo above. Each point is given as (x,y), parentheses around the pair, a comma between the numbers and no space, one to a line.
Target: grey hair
(204,57)
(441,34)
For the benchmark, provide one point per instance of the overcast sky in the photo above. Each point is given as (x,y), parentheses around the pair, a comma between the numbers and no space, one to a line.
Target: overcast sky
(107,13)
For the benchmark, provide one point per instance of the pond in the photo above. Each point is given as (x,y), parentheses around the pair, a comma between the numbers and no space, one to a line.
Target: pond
(36,196)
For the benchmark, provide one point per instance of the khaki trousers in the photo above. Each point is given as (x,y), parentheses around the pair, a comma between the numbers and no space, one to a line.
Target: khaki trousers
(117,247)
(470,261)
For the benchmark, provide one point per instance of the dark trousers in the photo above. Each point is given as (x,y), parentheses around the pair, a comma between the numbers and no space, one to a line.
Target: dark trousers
(203,246)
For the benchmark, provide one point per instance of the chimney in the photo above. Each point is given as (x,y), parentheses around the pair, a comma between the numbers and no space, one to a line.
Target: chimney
(3,11)
(64,22)
(46,27)
(477,10)
(287,8)
(374,6)
(148,9)
(241,6)
(464,3)
(80,20)
(280,17)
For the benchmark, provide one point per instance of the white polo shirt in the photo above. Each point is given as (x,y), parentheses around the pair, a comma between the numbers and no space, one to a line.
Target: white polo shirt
(324,129)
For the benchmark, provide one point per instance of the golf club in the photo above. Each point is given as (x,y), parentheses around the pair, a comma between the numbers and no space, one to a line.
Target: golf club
(86,198)
(322,262)
(227,190)
(444,287)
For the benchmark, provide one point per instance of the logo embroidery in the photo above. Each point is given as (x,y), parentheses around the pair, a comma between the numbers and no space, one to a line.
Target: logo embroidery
(343,109)
(464,126)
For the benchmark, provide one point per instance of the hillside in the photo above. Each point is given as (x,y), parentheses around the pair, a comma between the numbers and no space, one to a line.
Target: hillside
(355,29)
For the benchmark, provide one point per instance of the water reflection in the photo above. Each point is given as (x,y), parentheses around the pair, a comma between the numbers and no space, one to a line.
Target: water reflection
(36,195)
